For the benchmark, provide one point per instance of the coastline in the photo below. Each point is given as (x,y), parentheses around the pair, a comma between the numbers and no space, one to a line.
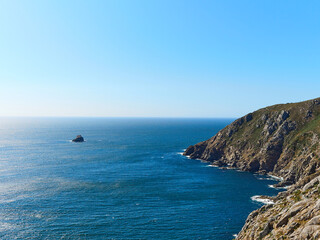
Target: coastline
(280,142)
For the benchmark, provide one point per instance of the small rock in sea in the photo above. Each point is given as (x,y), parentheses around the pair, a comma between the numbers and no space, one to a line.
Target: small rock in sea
(79,138)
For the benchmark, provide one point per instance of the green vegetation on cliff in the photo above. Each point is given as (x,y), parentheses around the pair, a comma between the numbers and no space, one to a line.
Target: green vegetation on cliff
(281,140)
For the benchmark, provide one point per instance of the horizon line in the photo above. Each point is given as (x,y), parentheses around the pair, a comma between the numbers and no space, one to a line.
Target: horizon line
(165,117)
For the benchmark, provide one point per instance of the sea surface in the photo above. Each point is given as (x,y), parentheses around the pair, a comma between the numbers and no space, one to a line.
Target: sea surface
(127,181)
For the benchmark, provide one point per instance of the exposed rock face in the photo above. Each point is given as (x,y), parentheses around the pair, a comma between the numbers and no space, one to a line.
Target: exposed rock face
(278,140)
(79,138)
(295,214)
(282,140)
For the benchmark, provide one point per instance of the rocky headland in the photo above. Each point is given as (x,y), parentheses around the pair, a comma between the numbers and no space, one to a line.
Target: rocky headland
(284,141)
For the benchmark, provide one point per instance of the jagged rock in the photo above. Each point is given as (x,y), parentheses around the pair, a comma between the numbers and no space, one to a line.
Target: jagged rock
(264,117)
(311,184)
(308,114)
(310,232)
(314,221)
(283,116)
(266,230)
(291,212)
(79,138)
(295,215)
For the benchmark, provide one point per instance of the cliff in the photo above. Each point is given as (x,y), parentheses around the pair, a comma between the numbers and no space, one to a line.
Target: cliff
(281,140)
(294,215)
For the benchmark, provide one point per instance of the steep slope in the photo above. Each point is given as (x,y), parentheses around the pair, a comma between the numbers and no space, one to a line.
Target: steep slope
(281,140)
(295,214)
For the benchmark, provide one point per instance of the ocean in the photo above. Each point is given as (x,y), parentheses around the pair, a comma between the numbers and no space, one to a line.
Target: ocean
(128,180)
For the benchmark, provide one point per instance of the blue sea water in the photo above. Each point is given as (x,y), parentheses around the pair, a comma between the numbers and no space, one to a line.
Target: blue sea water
(127,181)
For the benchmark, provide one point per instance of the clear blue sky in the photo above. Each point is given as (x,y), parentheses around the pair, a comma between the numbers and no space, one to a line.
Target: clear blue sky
(156,58)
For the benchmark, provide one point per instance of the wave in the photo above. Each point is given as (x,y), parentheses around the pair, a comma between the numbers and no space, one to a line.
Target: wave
(258,198)
(212,165)
(266,178)
(272,186)
(275,177)
(181,153)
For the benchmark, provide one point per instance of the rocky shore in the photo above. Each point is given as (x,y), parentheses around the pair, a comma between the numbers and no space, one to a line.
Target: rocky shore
(283,141)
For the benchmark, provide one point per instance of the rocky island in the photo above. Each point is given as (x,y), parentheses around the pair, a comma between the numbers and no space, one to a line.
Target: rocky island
(284,141)
(79,138)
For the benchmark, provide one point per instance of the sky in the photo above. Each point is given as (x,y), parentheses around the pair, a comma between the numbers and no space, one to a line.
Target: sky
(156,58)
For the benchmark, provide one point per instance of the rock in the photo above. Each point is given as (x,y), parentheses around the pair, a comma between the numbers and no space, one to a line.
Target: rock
(264,118)
(189,150)
(248,117)
(283,116)
(292,211)
(291,227)
(268,140)
(79,138)
(317,205)
(309,232)
(266,230)
(308,114)
(281,140)
(230,131)
(311,184)
(314,221)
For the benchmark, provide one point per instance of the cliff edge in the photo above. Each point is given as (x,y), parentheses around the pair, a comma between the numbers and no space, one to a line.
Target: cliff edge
(281,140)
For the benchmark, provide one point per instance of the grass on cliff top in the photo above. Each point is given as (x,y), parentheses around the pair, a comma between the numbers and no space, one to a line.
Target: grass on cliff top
(251,134)
(313,125)
(304,135)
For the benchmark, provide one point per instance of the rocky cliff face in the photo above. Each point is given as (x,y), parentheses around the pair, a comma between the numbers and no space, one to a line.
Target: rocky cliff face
(282,140)
(295,214)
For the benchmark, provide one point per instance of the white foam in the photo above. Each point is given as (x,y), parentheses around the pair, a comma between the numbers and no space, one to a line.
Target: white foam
(235,235)
(258,198)
(266,178)
(212,165)
(183,150)
(181,153)
(230,168)
(275,177)
(272,186)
